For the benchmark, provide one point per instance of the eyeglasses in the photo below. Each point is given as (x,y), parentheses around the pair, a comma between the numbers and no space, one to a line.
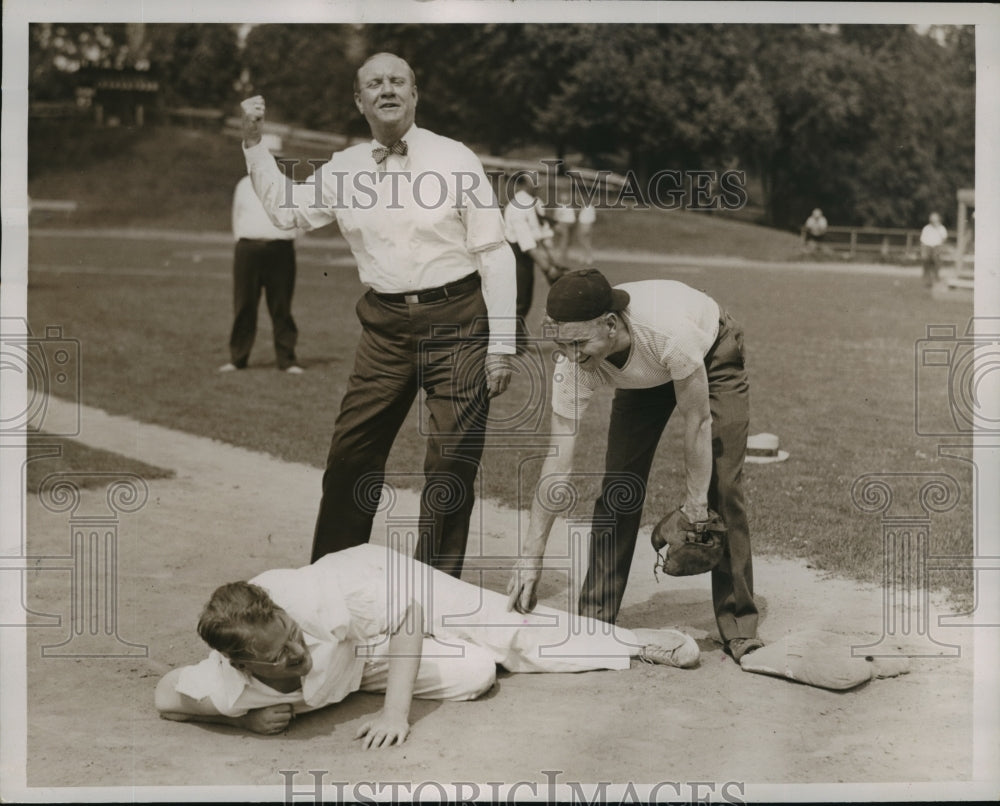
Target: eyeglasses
(285,656)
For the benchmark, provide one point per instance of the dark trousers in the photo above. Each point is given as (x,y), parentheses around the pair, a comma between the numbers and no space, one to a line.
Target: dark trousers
(638,417)
(931,256)
(267,265)
(525,267)
(437,346)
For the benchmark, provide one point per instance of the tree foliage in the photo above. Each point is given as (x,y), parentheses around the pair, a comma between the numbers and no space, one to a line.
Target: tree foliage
(873,123)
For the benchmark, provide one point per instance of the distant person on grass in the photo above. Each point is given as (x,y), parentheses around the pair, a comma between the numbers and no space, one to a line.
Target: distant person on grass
(662,346)
(425,228)
(932,238)
(815,228)
(264,259)
(525,229)
(563,217)
(585,220)
(295,640)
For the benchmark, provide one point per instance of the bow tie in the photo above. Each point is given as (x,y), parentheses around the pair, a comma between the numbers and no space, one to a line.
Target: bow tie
(380,154)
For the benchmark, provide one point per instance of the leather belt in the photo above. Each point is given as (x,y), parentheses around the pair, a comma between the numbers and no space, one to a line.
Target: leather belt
(457,288)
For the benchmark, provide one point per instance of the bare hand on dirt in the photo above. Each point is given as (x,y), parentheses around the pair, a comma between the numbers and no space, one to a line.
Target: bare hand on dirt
(521,586)
(272,719)
(384,730)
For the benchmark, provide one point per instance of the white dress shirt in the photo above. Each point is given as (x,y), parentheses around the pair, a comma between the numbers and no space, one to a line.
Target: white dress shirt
(521,221)
(417,221)
(250,219)
(933,235)
(349,602)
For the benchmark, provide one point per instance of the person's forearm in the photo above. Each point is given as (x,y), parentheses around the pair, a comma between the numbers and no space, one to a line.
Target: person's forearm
(290,205)
(405,648)
(214,719)
(551,490)
(698,459)
(497,269)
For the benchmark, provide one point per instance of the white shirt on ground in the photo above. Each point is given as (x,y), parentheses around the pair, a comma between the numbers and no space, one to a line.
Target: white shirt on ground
(348,602)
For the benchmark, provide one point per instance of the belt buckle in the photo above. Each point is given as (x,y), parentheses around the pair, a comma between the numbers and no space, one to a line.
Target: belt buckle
(411,299)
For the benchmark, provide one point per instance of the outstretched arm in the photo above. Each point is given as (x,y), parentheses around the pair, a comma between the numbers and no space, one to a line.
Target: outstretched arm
(290,205)
(554,475)
(181,708)
(392,724)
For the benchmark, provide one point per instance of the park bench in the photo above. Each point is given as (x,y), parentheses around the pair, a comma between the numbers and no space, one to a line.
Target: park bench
(885,242)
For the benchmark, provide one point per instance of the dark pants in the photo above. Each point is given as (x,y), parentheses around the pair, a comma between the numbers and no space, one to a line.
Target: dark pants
(441,347)
(932,264)
(638,417)
(267,265)
(525,267)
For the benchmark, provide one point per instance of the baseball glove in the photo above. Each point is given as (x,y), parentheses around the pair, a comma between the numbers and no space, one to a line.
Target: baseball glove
(690,548)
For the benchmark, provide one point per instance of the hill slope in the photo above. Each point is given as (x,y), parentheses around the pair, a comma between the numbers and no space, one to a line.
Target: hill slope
(178,178)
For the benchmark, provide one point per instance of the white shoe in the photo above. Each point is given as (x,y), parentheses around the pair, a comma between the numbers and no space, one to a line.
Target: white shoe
(228,367)
(667,648)
(295,369)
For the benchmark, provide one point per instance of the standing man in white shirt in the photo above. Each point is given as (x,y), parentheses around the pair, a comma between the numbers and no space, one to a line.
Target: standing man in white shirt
(585,220)
(932,237)
(424,225)
(523,226)
(815,230)
(264,259)
(662,346)
(564,220)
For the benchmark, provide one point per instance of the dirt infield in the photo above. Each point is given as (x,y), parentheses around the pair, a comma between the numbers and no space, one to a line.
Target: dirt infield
(230,513)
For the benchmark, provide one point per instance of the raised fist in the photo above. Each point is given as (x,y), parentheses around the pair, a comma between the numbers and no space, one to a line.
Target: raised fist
(253,120)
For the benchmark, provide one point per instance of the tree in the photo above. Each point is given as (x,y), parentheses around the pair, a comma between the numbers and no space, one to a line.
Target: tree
(197,64)
(306,73)
(57,52)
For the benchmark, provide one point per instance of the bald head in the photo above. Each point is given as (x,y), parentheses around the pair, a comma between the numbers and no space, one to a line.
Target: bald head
(357,74)
(386,94)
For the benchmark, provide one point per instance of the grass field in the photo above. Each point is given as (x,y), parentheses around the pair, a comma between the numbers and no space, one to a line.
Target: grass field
(831,357)
(61,455)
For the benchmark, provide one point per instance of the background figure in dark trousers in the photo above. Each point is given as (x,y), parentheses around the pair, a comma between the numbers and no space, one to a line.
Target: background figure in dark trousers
(527,231)
(269,266)
(663,346)
(439,314)
(932,239)
(264,260)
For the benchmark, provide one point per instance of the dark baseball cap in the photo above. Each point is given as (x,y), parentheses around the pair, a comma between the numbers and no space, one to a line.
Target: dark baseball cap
(579,296)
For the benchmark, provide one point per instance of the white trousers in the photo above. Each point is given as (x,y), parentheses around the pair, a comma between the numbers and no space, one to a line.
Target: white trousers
(469,632)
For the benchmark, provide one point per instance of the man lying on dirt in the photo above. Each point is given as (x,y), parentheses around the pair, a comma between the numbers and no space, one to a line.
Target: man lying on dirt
(371,619)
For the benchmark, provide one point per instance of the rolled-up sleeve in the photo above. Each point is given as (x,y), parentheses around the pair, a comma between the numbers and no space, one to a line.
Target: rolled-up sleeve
(306,205)
(478,205)
(497,269)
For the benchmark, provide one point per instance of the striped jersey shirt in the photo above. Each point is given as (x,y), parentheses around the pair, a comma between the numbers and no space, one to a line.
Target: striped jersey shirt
(672,327)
